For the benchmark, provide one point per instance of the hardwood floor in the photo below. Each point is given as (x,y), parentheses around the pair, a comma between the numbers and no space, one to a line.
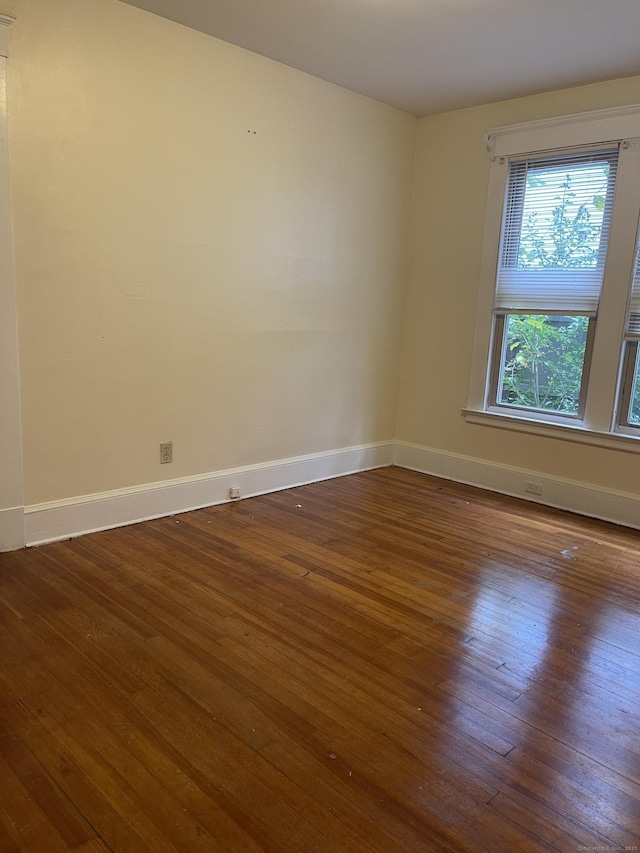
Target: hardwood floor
(383,662)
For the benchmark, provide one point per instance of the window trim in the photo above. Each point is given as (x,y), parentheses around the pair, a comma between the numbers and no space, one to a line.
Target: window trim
(599,128)
(563,132)
(575,432)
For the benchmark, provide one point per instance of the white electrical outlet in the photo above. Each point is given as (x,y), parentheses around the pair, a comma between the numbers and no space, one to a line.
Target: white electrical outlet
(533,488)
(166,452)
(234,492)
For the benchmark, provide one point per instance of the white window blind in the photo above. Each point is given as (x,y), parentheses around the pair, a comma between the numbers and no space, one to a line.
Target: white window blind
(555,232)
(633,320)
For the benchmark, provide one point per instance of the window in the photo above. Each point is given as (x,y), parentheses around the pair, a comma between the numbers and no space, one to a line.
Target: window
(558,329)
(629,415)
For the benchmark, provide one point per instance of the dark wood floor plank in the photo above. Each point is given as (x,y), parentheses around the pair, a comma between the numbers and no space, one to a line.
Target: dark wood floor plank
(128,775)
(22,819)
(538,825)
(44,793)
(96,845)
(376,663)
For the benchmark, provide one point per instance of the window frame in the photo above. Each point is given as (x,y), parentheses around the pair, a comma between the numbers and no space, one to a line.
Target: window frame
(600,422)
(627,381)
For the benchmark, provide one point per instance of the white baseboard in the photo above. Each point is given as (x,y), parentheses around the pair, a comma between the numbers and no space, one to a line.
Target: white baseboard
(582,498)
(12,529)
(50,522)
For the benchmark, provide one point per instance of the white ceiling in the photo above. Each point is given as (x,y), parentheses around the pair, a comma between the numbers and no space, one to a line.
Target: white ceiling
(427,56)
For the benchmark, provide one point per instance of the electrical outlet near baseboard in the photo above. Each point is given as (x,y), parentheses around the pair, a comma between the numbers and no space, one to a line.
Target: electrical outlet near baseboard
(234,492)
(166,452)
(531,488)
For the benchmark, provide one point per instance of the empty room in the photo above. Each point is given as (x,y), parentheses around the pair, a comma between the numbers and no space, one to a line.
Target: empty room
(319,426)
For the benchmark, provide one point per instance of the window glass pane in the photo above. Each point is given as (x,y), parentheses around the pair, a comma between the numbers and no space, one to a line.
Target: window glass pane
(634,405)
(542,362)
(563,215)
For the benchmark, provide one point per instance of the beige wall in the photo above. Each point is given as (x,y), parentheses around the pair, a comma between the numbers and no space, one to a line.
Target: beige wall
(451,180)
(210,249)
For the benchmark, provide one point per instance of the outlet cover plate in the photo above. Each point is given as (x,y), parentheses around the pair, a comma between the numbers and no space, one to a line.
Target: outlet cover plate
(533,488)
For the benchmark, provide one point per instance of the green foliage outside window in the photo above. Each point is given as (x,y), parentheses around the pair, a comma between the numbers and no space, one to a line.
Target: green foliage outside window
(544,356)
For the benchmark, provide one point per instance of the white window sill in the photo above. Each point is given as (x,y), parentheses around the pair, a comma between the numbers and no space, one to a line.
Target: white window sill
(564,432)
